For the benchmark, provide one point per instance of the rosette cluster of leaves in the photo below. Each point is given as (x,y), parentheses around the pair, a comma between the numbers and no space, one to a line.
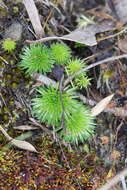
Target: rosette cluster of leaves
(48,107)
(79,125)
(81,80)
(51,104)
(78,120)
(61,53)
(40,58)
(36,58)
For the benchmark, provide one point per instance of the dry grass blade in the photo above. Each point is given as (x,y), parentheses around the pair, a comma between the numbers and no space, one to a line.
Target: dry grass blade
(23,145)
(25,127)
(101,105)
(34,17)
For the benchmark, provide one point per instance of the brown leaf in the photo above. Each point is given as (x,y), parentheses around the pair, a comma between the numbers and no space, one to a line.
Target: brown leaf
(23,145)
(25,127)
(87,35)
(101,105)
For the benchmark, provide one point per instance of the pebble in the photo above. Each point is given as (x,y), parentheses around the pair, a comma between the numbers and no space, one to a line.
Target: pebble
(14,31)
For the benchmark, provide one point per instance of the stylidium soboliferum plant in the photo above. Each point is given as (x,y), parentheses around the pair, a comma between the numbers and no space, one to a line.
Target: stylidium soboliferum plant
(36,58)
(61,53)
(52,105)
(75,65)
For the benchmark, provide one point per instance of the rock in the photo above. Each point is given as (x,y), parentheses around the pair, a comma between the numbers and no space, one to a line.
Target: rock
(14,31)
(121,9)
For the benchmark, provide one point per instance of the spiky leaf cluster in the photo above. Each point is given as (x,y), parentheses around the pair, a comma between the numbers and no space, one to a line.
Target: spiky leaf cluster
(83,21)
(48,108)
(74,65)
(8,45)
(82,79)
(36,58)
(61,53)
(79,125)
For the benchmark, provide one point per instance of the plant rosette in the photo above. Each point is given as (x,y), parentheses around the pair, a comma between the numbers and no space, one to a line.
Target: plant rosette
(36,58)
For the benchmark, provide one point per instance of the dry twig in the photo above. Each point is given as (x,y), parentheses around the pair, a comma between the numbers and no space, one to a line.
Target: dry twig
(44,79)
(46,39)
(118,178)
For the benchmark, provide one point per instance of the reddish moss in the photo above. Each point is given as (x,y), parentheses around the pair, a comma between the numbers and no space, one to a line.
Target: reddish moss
(48,170)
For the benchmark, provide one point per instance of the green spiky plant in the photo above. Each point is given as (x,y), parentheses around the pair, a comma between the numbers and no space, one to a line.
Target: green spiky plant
(51,104)
(75,65)
(84,21)
(79,125)
(36,58)
(61,53)
(78,120)
(48,107)
(9,45)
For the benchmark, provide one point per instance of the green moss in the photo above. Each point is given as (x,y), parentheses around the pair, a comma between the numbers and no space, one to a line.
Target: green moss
(14,85)
(5,117)
(15,9)
(1,140)
(5,109)
(11,102)
(8,45)
(8,76)
(3,11)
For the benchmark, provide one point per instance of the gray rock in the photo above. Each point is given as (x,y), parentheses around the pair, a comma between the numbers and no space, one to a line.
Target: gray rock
(14,31)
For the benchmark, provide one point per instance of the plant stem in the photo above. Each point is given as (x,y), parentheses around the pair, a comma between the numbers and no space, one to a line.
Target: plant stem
(61,91)
(45,39)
